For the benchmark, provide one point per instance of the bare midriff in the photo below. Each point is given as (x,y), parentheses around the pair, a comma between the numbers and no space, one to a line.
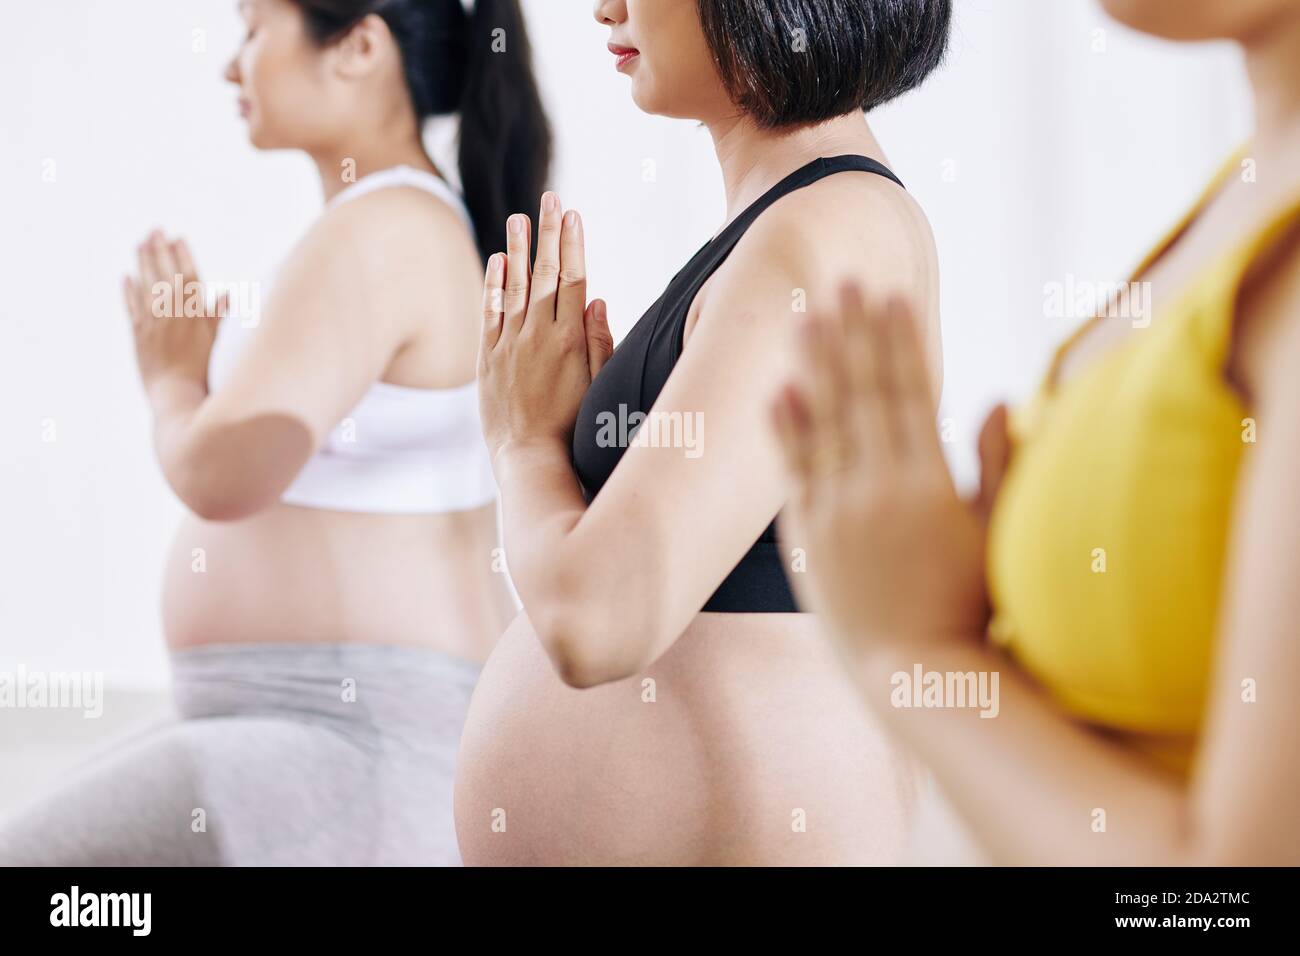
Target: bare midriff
(303,575)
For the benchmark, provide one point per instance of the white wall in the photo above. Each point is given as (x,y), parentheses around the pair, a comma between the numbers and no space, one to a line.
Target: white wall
(1044,148)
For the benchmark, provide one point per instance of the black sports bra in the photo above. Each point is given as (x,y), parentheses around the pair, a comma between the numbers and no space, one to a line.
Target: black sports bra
(639,368)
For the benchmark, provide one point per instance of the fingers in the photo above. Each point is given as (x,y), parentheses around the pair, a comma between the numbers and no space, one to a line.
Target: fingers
(158,265)
(546,273)
(555,287)
(793,424)
(867,378)
(571,299)
(184,261)
(150,271)
(159,305)
(995,458)
(867,393)
(907,377)
(163,252)
(859,348)
(518,278)
(600,341)
(825,381)
(493,304)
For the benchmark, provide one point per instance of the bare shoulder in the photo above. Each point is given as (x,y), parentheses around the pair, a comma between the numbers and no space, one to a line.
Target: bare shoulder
(850,225)
(397,253)
(394,228)
(1268,340)
(859,224)
(798,254)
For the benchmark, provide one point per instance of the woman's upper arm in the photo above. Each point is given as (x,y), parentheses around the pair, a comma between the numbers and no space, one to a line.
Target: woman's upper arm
(1243,798)
(328,331)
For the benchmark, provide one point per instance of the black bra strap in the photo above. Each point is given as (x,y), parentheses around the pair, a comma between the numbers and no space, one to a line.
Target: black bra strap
(713,254)
(682,290)
(816,170)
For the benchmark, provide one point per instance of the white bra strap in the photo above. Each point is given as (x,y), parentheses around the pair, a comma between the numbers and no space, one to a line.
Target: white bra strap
(405,176)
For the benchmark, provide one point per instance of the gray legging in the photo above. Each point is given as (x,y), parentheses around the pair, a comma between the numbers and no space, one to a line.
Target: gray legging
(300,755)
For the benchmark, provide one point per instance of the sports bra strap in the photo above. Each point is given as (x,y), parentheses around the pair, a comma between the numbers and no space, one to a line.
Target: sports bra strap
(722,245)
(407,176)
(688,282)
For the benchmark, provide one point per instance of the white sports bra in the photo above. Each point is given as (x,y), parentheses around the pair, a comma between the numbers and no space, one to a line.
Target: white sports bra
(401,450)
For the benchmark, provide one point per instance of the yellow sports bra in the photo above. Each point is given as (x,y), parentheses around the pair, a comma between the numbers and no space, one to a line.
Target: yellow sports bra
(1107,545)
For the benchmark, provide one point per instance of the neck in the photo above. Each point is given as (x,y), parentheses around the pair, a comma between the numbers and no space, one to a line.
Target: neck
(753,160)
(341,166)
(1273,65)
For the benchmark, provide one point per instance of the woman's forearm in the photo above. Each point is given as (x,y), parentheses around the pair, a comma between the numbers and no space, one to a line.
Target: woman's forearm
(175,402)
(1034,786)
(541,502)
(223,471)
(567,587)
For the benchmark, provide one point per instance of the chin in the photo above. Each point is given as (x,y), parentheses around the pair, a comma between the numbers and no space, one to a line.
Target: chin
(643,97)
(260,139)
(1188,20)
(645,106)
(652,101)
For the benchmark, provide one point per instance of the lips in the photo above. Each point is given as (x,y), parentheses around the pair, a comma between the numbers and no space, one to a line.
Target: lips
(625,54)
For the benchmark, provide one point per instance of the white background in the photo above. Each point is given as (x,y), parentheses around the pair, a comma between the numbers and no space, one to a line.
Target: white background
(1053,143)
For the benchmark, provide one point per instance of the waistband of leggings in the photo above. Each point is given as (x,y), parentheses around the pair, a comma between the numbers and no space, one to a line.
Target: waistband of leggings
(374,686)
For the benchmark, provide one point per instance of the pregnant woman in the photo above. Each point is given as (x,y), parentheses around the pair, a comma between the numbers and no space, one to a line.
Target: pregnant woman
(330,600)
(662,700)
(1143,550)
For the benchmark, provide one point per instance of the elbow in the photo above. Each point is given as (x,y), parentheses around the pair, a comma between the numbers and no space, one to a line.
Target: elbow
(583,656)
(583,673)
(221,510)
(221,502)
(232,473)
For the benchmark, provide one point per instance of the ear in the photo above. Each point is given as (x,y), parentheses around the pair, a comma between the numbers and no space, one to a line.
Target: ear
(365,47)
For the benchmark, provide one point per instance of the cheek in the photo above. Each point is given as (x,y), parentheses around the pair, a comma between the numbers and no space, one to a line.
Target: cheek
(280,87)
(678,77)
(656,87)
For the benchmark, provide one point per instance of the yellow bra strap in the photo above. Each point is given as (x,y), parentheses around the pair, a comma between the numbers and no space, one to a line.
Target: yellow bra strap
(1218,323)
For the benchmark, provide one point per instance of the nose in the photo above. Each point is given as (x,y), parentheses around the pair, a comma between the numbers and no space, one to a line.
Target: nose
(231,75)
(610,13)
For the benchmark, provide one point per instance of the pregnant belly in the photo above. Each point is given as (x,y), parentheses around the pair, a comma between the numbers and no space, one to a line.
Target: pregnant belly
(303,575)
(743,745)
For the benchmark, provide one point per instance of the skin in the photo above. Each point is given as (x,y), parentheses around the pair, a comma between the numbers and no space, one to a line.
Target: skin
(862,389)
(683,737)
(374,292)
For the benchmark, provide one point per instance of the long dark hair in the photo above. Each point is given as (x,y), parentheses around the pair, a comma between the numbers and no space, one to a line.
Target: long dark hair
(476,65)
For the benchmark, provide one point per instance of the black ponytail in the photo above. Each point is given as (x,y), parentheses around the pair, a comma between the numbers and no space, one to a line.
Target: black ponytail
(478,65)
(505,136)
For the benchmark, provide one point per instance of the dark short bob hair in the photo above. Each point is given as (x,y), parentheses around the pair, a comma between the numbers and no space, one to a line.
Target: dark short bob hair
(790,63)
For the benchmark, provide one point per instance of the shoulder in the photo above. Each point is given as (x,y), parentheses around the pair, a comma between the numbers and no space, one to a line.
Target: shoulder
(1268,346)
(378,237)
(390,263)
(392,224)
(397,250)
(849,225)
(856,222)
(798,254)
